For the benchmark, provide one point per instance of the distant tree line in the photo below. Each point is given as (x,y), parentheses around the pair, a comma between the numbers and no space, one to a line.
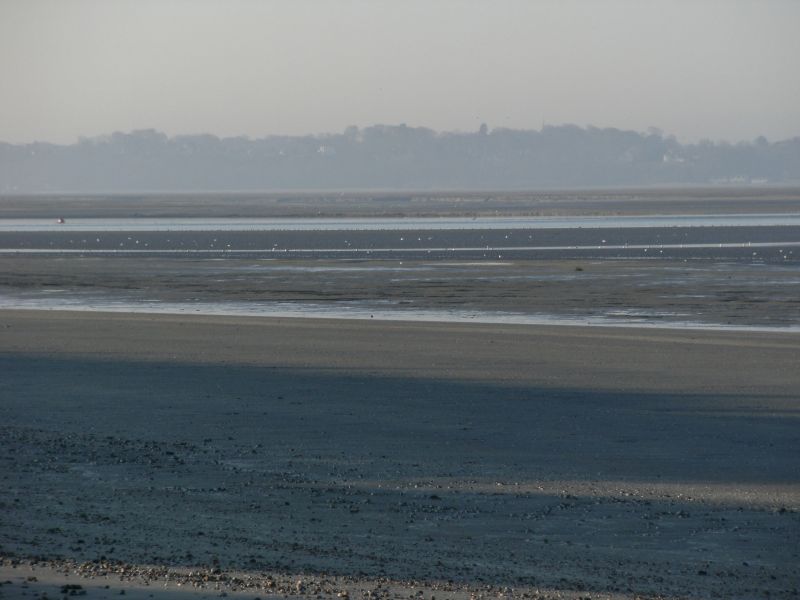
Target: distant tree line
(392,157)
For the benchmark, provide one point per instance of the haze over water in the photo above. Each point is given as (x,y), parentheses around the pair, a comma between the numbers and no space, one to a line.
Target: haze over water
(710,69)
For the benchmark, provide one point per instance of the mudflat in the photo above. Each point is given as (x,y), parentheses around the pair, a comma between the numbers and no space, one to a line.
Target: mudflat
(377,203)
(181,456)
(710,292)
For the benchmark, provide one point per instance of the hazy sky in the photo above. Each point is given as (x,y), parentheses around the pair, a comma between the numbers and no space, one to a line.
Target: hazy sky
(720,70)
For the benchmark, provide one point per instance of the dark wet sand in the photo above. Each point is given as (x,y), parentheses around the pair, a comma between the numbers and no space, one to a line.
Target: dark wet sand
(395,457)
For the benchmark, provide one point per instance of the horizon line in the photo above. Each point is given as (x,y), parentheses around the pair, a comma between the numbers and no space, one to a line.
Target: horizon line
(402,125)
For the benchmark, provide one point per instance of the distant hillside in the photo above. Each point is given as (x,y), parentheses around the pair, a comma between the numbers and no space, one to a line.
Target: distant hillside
(396,157)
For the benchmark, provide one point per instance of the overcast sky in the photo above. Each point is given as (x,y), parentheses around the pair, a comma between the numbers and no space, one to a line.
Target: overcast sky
(719,70)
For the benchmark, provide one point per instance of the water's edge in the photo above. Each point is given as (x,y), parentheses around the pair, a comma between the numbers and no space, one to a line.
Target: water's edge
(312,311)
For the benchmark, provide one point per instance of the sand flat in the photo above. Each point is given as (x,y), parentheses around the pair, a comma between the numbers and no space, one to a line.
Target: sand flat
(573,461)
(600,357)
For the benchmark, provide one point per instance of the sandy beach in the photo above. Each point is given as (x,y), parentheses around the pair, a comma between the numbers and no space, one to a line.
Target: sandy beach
(319,458)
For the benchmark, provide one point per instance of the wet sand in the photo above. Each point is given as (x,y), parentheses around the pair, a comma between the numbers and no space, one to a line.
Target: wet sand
(632,201)
(386,459)
(661,291)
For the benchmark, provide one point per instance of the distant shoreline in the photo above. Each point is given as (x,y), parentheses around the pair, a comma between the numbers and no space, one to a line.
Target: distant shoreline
(407,203)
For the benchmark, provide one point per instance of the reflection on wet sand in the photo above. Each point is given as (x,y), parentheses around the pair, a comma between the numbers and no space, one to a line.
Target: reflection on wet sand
(696,293)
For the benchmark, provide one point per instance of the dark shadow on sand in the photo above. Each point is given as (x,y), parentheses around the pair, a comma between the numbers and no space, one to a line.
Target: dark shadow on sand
(311,471)
(550,433)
